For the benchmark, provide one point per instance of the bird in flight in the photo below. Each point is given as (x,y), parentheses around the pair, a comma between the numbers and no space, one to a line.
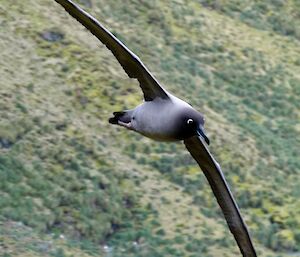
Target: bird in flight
(164,117)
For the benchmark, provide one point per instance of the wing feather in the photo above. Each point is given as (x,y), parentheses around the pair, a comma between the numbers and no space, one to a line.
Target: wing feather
(131,63)
(220,188)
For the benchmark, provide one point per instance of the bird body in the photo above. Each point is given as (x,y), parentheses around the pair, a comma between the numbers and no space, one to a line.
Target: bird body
(161,119)
(155,120)
(164,117)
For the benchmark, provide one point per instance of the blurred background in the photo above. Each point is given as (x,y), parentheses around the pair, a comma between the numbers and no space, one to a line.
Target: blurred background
(73,185)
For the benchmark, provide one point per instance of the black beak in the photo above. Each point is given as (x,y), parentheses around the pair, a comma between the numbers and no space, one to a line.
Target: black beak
(201,133)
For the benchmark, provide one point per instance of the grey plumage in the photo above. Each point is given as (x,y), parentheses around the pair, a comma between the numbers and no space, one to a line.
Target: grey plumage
(165,117)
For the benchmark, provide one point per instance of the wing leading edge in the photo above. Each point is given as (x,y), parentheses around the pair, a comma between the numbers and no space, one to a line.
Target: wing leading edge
(132,65)
(220,188)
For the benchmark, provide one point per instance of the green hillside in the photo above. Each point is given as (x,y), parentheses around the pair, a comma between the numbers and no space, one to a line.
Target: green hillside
(73,185)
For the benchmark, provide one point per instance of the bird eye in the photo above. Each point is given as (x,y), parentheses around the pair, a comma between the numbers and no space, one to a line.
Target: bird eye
(189,121)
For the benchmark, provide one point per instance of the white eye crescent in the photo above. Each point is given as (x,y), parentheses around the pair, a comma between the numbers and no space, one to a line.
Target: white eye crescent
(189,121)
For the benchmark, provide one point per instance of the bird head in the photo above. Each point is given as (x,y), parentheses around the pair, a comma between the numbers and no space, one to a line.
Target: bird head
(191,124)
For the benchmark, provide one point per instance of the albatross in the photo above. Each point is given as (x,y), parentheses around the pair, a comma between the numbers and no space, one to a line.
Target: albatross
(164,117)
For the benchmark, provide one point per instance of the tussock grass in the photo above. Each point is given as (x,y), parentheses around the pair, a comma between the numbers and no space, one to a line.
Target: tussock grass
(65,170)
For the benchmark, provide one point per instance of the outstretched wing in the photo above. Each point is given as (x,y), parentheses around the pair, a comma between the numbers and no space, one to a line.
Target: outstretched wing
(129,61)
(216,179)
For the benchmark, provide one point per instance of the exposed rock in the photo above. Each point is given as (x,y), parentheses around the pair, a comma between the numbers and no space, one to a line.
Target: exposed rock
(87,3)
(5,143)
(52,36)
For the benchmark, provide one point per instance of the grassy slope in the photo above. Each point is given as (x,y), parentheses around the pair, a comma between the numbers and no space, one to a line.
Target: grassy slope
(64,170)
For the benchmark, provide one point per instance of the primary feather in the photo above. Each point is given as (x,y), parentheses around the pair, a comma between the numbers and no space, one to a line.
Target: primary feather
(131,63)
